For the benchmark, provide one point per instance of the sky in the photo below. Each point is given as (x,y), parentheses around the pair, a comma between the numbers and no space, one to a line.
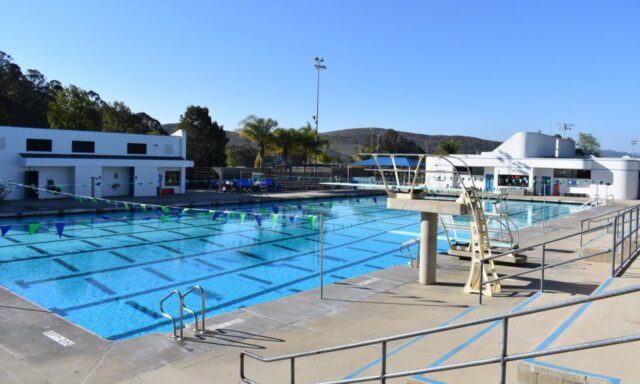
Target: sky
(477,68)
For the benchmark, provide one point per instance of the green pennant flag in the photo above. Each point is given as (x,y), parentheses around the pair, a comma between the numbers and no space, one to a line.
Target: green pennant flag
(312,221)
(330,204)
(33,228)
(242,216)
(80,199)
(126,206)
(83,222)
(144,207)
(263,210)
(165,209)
(274,220)
(232,214)
(200,215)
(94,200)
(184,211)
(164,218)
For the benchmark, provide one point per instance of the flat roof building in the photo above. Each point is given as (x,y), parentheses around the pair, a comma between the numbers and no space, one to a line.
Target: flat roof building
(539,164)
(88,163)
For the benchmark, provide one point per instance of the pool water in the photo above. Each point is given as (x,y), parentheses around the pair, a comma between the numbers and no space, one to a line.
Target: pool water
(107,274)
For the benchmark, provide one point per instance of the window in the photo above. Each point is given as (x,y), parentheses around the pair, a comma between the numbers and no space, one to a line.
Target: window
(168,149)
(572,173)
(513,181)
(475,171)
(83,146)
(136,149)
(39,145)
(172,178)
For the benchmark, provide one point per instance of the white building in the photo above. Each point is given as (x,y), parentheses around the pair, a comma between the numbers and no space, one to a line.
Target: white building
(87,163)
(539,164)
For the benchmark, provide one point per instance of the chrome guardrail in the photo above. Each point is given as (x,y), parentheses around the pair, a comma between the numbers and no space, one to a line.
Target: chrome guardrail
(503,359)
(182,308)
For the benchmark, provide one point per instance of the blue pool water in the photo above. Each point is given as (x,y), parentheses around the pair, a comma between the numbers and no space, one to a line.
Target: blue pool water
(107,275)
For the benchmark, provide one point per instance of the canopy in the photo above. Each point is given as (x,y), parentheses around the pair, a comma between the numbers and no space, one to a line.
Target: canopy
(386,162)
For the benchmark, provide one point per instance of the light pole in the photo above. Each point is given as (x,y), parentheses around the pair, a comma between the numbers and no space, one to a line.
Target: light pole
(633,147)
(319,66)
(565,127)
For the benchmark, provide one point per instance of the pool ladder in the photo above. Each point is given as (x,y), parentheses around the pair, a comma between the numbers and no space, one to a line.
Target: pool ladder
(183,308)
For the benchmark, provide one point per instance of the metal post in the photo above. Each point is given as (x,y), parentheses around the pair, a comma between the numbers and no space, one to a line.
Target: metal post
(293,370)
(613,246)
(622,238)
(481,282)
(181,317)
(503,353)
(581,230)
(630,232)
(544,255)
(321,255)
(383,363)
(637,215)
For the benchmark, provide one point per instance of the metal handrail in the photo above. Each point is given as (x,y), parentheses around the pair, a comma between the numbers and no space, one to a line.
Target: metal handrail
(168,316)
(195,315)
(503,359)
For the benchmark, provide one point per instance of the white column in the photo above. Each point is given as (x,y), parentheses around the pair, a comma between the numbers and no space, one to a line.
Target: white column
(428,247)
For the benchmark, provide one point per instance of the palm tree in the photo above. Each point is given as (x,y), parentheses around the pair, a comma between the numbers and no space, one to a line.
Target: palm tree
(310,143)
(258,130)
(448,147)
(285,141)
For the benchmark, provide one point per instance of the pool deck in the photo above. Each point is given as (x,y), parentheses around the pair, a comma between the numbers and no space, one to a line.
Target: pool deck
(379,304)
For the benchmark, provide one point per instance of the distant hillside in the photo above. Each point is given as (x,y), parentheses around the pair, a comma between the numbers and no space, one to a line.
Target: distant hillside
(345,141)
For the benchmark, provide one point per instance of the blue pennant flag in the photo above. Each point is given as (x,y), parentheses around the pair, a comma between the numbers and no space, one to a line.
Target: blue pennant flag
(274,209)
(322,204)
(226,216)
(106,218)
(293,220)
(258,219)
(299,207)
(375,200)
(4,229)
(115,204)
(59,228)
(216,214)
(357,200)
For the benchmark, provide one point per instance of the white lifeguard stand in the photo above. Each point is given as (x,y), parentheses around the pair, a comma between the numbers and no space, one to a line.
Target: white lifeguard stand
(411,196)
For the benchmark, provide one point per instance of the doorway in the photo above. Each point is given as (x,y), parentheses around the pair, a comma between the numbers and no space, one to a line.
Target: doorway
(31,179)
(488,184)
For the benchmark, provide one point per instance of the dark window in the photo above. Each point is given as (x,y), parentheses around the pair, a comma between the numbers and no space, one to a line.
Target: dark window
(475,171)
(39,145)
(172,178)
(513,181)
(83,146)
(572,173)
(136,149)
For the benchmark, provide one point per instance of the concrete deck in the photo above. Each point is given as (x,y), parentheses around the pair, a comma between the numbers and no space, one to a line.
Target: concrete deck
(379,304)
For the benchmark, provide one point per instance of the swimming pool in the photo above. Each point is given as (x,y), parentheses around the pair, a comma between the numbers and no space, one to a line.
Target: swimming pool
(107,274)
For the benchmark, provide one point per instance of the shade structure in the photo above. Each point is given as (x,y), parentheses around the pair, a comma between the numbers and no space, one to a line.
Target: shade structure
(386,162)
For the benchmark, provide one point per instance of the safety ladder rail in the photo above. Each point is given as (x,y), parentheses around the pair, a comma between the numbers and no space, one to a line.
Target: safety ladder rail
(168,316)
(503,359)
(182,308)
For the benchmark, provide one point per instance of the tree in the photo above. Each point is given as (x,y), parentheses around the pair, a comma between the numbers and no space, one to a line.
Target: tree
(258,130)
(149,125)
(241,155)
(206,140)
(588,145)
(117,117)
(285,142)
(392,142)
(448,147)
(75,108)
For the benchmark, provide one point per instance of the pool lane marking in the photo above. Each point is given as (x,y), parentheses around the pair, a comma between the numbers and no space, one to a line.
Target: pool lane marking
(100,286)
(259,280)
(121,256)
(147,243)
(39,250)
(58,338)
(207,277)
(208,264)
(294,267)
(361,249)
(66,265)
(137,237)
(159,274)
(211,242)
(232,301)
(91,243)
(408,343)
(249,254)
(171,249)
(474,338)
(285,247)
(143,309)
(344,235)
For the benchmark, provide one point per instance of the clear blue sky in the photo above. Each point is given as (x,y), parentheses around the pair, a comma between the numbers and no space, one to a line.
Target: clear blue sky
(481,68)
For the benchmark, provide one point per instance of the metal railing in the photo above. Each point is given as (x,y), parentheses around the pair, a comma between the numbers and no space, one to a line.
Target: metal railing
(503,359)
(625,226)
(182,308)
(607,217)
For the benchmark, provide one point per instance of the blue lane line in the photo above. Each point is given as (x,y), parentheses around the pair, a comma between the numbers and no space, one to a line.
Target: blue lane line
(472,339)
(566,324)
(408,343)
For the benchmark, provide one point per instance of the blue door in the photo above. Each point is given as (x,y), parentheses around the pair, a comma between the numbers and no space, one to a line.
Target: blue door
(546,186)
(488,183)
